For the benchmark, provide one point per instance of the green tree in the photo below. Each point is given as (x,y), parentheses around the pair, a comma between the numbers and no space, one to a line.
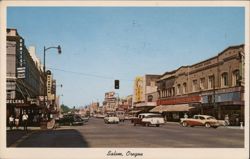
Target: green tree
(65,108)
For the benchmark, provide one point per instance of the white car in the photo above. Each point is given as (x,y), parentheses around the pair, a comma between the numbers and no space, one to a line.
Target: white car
(111,118)
(147,119)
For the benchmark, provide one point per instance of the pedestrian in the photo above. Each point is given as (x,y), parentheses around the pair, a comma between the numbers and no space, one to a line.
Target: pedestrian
(226,120)
(25,121)
(237,121)
(11,121)
(185,116)
(17,122)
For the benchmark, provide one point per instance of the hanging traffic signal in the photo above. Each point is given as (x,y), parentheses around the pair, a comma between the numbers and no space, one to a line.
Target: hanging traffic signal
(116,84)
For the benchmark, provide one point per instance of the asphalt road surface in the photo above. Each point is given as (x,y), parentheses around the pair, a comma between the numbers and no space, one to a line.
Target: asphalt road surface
(97,134)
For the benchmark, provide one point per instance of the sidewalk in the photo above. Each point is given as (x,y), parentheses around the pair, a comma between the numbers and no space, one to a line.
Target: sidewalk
(16,134)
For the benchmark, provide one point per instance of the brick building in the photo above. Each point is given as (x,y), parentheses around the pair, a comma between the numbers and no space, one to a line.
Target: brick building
(214,86)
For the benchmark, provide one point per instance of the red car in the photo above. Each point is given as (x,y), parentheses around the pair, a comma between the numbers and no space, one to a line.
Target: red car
(200,120)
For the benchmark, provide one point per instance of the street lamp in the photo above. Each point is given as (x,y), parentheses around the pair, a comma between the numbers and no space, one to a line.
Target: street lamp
(44,68)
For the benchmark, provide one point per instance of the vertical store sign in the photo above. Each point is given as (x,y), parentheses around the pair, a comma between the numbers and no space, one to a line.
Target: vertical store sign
(21,53)
(138,89)
(49,86)
(21,69)
(53,90)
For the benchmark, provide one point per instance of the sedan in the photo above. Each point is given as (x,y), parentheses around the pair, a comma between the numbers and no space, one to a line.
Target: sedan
(200,120)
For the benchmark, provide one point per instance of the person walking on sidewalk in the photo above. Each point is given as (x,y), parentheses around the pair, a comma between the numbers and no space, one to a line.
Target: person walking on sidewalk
(25,121)
(17,122)
(226,120)
(185,116)
(11,121)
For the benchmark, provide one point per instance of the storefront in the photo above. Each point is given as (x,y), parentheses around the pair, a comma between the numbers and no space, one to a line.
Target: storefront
(224,102)
(16,108)
(175,108)
(173,112)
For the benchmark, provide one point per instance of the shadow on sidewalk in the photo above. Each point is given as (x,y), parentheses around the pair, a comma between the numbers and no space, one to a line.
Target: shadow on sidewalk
(14,135)
(55,139)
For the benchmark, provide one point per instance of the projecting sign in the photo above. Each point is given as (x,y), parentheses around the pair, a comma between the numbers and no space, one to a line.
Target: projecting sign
(21,72)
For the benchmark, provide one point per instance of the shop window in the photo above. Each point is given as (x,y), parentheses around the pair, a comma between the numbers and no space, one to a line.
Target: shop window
(211,82)
(224,79)
(236,78)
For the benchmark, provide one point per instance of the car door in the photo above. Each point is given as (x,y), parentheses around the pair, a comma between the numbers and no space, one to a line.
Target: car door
(202,120)
(195,121)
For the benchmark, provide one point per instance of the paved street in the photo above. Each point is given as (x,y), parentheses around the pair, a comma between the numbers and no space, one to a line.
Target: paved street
(96,134)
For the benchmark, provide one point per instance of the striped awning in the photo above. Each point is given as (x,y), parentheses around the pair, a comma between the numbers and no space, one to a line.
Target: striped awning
(172,108)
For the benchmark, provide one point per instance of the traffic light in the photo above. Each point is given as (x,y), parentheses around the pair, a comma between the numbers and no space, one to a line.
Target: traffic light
(116,84)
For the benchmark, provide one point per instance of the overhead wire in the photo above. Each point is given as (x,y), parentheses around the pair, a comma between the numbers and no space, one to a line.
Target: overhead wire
(88,74)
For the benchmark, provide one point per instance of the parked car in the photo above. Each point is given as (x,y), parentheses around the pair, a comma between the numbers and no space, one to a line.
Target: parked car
(111,118)
(85,118)
(71,119)
(200,120)
(147,119)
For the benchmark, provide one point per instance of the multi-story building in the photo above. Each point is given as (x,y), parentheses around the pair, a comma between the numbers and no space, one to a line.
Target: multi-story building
(145,93)
(125,103)
(214,86)
(93,108)
(24,79)
(110,102)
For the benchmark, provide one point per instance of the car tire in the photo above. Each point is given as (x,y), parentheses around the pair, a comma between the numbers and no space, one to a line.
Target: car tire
(157,125)
(184,124)
(207,125)
(215,127)
(134,124)
(147,125)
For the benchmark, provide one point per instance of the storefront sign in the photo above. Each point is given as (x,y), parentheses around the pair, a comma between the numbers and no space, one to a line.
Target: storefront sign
(15,101)
(21,72)
(138,89)
(42,97)
(109,95)
(192,99)
(49,84)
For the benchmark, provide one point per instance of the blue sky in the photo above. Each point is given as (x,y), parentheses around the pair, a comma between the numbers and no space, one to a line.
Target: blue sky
(100,44)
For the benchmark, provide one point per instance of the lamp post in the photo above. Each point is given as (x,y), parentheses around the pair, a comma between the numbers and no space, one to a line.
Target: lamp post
(44,69)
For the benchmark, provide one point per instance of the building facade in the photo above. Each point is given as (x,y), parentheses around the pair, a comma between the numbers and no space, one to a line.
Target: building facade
(214,86)
(110,102)
(145,93)
(25,79)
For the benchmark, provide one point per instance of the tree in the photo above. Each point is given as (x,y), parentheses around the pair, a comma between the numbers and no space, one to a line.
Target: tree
(65,108)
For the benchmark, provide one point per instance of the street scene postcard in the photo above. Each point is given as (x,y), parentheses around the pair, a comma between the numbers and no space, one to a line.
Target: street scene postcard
(124,80)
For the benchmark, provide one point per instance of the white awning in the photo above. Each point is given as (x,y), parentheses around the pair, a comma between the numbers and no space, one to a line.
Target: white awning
(135,111)
(172,108)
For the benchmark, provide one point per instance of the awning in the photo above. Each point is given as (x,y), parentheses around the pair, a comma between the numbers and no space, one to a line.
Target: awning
(172,108)
(135,111)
